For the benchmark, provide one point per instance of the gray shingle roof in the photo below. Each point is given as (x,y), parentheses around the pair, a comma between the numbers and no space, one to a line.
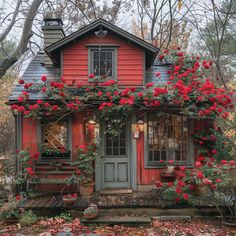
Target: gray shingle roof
(33,73)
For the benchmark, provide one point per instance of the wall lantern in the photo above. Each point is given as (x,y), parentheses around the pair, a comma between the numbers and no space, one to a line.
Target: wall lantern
(94,127)
(138,129)
(92,120)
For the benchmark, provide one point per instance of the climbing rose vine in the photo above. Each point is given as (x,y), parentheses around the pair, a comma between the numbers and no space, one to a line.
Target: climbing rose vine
(189,88)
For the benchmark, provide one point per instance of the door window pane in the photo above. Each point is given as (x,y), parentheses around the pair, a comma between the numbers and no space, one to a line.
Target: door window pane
(116,146)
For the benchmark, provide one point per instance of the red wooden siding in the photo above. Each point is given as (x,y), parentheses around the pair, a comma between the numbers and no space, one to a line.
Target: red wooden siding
(29,135)
(78,132)
(130,60)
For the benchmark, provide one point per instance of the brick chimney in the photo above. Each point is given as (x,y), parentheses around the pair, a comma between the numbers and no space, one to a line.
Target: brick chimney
(52,32)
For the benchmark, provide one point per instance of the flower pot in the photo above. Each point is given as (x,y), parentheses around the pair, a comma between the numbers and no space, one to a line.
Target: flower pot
(11,221)
(86,190)
(90,216)
(199,189)
(69,202)
(167,177)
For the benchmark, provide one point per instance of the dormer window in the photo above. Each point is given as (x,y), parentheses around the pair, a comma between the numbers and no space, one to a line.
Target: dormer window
(102,62)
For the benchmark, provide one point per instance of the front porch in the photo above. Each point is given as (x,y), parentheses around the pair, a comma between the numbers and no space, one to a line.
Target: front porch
(136,204)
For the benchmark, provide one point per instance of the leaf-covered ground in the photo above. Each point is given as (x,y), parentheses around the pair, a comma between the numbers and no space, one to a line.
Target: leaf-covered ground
(52,226)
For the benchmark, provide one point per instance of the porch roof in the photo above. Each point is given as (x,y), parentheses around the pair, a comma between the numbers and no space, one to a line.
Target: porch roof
(33,74)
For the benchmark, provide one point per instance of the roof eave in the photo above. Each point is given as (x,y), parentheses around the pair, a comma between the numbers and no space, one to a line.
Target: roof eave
(51,48)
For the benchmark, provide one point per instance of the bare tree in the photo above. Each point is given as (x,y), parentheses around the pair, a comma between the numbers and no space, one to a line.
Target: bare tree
(21,48)
(161,23)
(214,24)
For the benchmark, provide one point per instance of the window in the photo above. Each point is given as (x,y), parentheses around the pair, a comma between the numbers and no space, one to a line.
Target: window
(168,138)
(102,62)
(55,139)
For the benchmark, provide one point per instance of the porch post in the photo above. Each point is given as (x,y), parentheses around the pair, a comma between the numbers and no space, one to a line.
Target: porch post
(133,155)
(98,164)
(18,142)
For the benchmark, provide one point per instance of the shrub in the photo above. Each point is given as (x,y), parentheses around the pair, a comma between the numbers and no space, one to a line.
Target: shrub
(27,218)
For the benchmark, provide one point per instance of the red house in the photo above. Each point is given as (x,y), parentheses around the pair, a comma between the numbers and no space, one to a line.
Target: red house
(132,159)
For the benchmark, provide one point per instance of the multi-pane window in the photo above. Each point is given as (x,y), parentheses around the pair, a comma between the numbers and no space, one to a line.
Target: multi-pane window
(116,145)
(55,138)
(103,62)
(168,139)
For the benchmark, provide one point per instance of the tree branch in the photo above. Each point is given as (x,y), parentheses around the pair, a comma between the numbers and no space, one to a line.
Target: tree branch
(21,48)
(9,27)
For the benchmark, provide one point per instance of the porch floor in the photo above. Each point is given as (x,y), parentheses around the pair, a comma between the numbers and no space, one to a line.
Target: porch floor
(103,200)
(138,200)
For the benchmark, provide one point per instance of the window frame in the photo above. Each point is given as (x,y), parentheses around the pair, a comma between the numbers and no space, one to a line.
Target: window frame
(114,61)
(190,147)
(69,138)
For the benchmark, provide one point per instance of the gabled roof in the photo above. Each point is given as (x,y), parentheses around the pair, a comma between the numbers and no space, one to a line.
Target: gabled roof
(55,47)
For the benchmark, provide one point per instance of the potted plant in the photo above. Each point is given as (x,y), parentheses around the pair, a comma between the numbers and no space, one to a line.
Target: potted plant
(10,216)
(168,174)
(70,199)
(85,168)
(91,212)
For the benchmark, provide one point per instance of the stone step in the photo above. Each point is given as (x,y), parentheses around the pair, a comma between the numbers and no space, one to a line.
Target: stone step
(123,220)
(116,191)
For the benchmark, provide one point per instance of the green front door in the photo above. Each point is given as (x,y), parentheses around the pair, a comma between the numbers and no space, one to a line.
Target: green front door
(115,162)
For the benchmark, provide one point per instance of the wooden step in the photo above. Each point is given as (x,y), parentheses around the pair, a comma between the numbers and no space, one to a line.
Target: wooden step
(124,220)
(51,181)
(53,172)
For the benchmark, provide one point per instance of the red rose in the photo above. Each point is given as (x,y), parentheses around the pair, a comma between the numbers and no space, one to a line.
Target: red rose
(91,76)
(201,158)
(213,186)
(177,199)
(161,57)
(18,197)
(178,190)
(232,162)
(21,81)
(223,162)
(158,74)
(198,164)
(159,184)
(39,101)
(185,196)
(55,107)
(148,85)
(213,151)
(171,162)
(170,184)
(181,184)
(44,78)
